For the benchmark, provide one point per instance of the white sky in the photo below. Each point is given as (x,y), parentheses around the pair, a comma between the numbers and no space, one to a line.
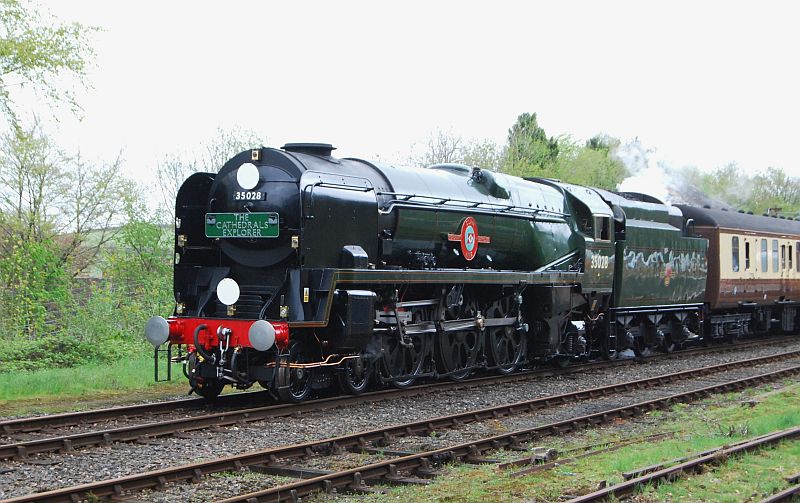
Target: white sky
(704,83)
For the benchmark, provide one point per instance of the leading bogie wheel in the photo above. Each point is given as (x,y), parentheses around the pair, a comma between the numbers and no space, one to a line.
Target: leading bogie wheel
(293,381)
(206,387)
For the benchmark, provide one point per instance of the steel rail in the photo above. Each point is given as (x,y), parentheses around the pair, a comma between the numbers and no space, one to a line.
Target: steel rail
(39,423)
(21,450)
(389,469)
(676,471)
(786,494)
(67,443)
(361,440)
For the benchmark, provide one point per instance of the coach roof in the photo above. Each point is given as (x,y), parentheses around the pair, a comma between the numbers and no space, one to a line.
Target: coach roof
(729,219)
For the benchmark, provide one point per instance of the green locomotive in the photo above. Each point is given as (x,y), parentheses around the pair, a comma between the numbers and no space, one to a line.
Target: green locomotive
(299,270)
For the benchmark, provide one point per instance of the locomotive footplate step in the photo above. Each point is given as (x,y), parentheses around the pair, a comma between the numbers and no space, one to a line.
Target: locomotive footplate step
(289,471)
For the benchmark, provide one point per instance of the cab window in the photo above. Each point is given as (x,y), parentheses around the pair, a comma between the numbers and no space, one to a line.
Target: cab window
(602,228)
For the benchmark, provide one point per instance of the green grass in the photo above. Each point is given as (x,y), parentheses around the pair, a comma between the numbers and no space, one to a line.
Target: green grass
(714,422)
(62,388)
(750,477)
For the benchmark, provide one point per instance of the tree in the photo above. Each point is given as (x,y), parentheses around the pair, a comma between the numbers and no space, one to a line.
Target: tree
(529,151)
(175,168)
(440,148)
(593,164)
(774,189)
(443,147)
(730,186)
(143,250)
(47,196)
(34,50)
(484,154)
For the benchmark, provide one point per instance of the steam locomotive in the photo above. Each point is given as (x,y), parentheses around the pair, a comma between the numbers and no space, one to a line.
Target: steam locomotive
(300,271)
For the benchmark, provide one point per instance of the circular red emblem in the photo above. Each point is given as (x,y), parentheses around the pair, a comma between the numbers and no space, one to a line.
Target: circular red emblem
(469,238)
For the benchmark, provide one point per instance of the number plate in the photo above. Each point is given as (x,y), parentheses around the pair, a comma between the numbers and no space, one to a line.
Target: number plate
(242,225)
(249,195)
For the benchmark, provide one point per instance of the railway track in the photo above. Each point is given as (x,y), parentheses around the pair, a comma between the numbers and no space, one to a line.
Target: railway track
(274,460)
(654,475)
(391,470)
(149,410)
(22,450)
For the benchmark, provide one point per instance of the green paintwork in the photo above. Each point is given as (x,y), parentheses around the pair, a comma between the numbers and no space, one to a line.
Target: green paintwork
(599,266)
(656,265)
(519,238)
(584,204)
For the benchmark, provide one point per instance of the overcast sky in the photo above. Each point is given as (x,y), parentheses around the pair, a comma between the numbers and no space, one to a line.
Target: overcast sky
(703,83)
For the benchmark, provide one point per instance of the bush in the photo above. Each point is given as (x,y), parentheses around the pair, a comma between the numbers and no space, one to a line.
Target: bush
(35,284)
(51,320)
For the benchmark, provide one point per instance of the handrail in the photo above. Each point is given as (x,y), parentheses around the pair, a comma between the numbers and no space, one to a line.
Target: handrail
(405,201)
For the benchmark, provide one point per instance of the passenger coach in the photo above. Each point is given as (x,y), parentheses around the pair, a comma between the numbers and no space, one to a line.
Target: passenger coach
(753,271)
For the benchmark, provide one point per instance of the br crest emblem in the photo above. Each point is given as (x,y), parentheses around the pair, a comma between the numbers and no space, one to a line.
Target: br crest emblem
(469,238)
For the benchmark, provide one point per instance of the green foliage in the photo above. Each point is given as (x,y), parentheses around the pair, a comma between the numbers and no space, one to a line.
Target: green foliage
(34,50)
(529,152)
(142,251)
(775,189)
(54,320)
(592,164)
(34,282)
(772,190)
(484,154)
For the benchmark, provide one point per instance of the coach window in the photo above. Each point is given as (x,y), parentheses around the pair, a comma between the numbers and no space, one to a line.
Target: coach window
(735,248)
(774,255)
(790,257)
(747,255)
(783,257)
(764,256)
(602,228)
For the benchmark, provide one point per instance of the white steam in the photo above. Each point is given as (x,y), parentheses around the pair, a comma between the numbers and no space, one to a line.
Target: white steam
(651,174)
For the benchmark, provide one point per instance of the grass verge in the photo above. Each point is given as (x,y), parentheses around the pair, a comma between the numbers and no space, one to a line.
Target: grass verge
(717,421)
(84,386)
